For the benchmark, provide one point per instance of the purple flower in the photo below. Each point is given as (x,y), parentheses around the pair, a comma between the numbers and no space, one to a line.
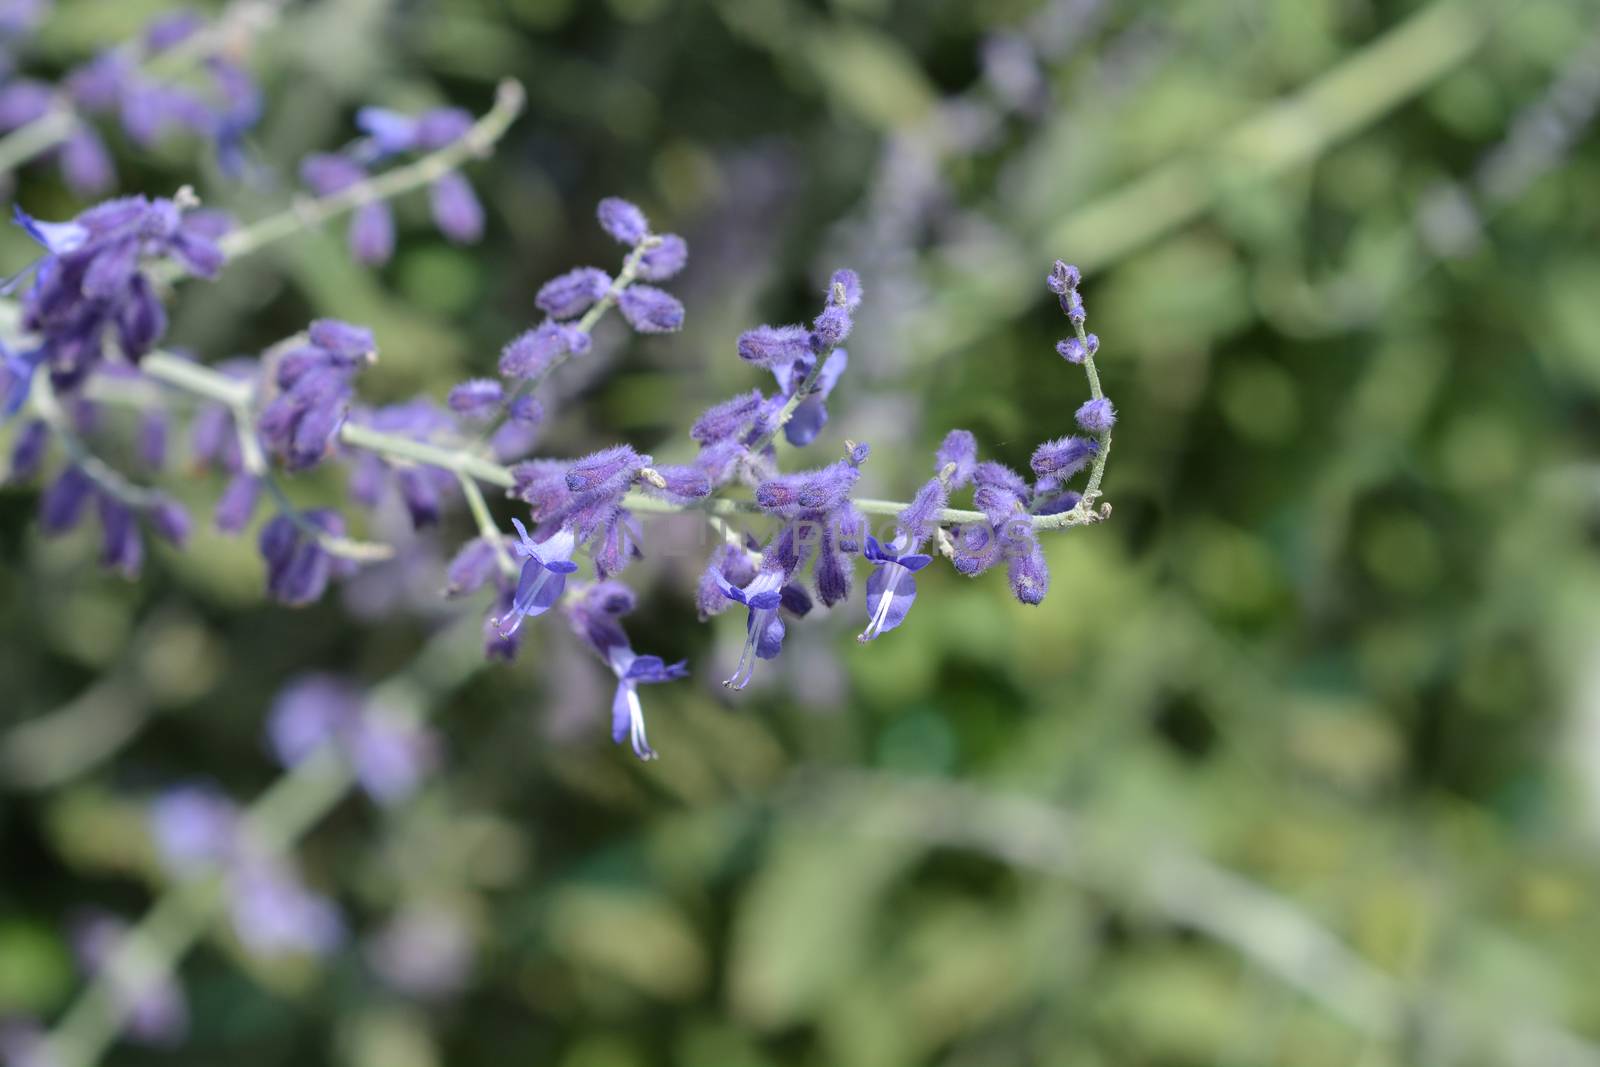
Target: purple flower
(1075,351)
(917,520)
(471,567)
(811,415)
(195,827)
(622,220)
(764,630)
(593,616)
(298,568)
(315,390)
(62,504)
(727,419)
(772,346)
(1027,571)
(326,174)
(891,588)
(651,310)
(371,234)
(959,451)
(534,353)
(441,126)
(1056,461)
(390,132)
(1097,416)
(237,505)
(275,915)
(121,547)
(27,451)
(683,483)
(1063,278)
(423,952)
(456,210)
(665,260)
(86,164)
(169,520)
(389,756)
(153,1007)
(543,577)
(607,472)
(571,294)
(823,490)
(478,398)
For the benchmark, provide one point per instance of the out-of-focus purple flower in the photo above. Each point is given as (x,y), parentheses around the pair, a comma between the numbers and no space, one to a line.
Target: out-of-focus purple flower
(456,210)
(154,1011)
(389,756)
(423,952)
(371,236)
(651,310)
(195,827)
(532,354)
(569,295)
(275,915)
(326,174)
(170,520)
(622,220)
(472,567)
(22,101)
(543,577)
(441,126)
(63,502)
(298,568)
(27,451)
(478,398)
(86,164)
(237,504)
(171,28)
(665,260)
(391,132)
(23,1043)
(121,547)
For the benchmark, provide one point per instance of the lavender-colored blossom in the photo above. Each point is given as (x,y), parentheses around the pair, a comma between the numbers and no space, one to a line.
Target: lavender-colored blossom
(63,502)
(153,1007)
(977,548)
(622,220)
(371,235)
(326,174)
(832,573)
(774,346)
(423,952)
(275,915)
(543,577)
(729,563)
(315,383)
(821,490)
(832,326)
(237,504)
(390,757)
(1063,278)
(298,567)
(532,354)
(959,452)
(478,398)
(473,565)
(440,127)
(194,827)
(121,546)
(593,616)
(1056,461)
(1075,351)
(607,472)
(150,444)
(86,164)
(669,256)
(844,283)
(683,483)
(390,132)
(891,588)
(1097,416)
(651,310)
(728,419)
(569,295)
(811,414)
(543,485)
(918,520)
(456,210)
(764,629)
(1027,571)
(27,451)
(170,520)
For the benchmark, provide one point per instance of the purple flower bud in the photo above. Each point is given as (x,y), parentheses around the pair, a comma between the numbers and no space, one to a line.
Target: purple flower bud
(478,398)
(472,566)
(685,483)
(571,294)
(609,470)
(728,564)
(23,101)
(1060,459)
(823,489)
(391,132)
(849,283)
(194,827)
(170,521)
(86,164)
(419,492)
(526,410)
(1097,416)
(140,320)
(1055,505)
(440,127)
(665,260)
(170,29)
(832,572)
(772,346)
(727,419)
(1072,305)
(237,505)
(917,520)
(622,220)
(532,354)
(977,548)
(456,210)
(121,547)
(347,342)
(960,449)
(1000,476)
(274,915)
(27,451)
(298,568)
(62,504)
(326,174)
(371,235)
(832,326)
(1063,278)
(1075,351)
(1028,574)
(651,310)
(151,443)
(543,485)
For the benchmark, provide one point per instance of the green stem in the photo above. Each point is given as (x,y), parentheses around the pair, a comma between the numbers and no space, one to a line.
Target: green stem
(1096,472)
(486,524)
(786,412)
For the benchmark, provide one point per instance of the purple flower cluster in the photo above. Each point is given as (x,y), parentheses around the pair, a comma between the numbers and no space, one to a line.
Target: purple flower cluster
(455,207)
(119,84)
(389,756)
(197,830)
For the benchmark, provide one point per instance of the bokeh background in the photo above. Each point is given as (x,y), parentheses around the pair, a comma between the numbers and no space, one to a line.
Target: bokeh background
(1298,764)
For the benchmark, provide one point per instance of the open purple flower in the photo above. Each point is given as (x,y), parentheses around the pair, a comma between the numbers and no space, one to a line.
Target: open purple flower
(891,588)
(543,577)
(764,630)
(594,616)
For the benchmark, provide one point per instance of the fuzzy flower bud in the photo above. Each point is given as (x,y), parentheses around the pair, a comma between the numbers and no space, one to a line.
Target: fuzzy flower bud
(651,310)
(1075,351)
(959,450)
(622,220)
(664,260)
(1060,459)
(773,346)
(478,398)
(610,469)
(1097,416)
(569,295)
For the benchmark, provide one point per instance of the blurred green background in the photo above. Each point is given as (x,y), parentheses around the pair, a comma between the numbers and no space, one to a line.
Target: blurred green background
(1298,764)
